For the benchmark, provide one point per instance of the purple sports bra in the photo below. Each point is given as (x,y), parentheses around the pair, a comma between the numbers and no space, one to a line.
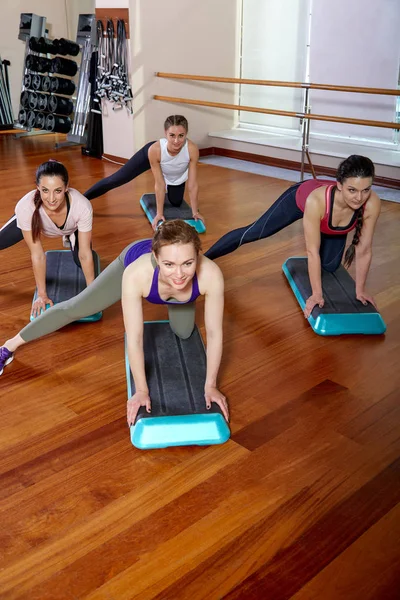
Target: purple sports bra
(144,247)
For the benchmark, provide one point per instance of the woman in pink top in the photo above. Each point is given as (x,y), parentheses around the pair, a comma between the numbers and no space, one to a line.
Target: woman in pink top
(330,210)
(55,210)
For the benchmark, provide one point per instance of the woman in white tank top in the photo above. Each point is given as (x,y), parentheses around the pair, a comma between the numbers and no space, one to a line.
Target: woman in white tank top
(173,161)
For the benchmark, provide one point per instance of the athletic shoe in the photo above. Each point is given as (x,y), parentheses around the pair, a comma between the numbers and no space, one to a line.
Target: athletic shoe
(5,358)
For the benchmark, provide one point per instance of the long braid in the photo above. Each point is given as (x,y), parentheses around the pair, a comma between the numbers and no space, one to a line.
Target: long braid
(351,250)
(36,224)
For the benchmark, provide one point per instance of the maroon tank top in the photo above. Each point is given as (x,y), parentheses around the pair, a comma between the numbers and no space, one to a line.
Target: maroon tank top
(305,189)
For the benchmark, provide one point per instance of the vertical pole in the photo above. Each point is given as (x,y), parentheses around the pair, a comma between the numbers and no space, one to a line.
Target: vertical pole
(305,127)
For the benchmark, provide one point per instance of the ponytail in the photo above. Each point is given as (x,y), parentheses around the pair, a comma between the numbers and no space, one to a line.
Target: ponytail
(36,225)
(351,250)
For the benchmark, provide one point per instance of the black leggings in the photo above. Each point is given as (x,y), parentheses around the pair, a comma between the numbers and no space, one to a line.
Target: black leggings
(282,213)
(138,164)
(10,234)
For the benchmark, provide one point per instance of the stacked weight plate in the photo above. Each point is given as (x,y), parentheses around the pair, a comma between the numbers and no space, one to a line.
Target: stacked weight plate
(46,98)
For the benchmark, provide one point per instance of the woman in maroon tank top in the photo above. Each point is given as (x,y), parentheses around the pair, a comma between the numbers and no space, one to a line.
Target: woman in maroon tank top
(329,211)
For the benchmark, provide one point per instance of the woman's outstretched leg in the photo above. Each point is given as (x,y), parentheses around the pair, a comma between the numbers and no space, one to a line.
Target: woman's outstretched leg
(138,164)
(102,293)
(10,234)
(282,213)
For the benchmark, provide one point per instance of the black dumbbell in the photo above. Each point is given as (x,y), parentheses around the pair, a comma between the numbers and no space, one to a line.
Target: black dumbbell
(24,99)
(58,124)
(63,66)
(27,80)
(40,120)
(62,86)
(59,105)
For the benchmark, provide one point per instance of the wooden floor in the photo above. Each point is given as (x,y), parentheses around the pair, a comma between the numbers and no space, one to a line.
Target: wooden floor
(302,502)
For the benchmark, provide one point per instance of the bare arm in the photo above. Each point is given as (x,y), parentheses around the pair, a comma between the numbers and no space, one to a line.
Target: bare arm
(364,248)
(38,258)
(159,183)
(312,234)
(193,186)
(133,321)
(86,256)
(213,317)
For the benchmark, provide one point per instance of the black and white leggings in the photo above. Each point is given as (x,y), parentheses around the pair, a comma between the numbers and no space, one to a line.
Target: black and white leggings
(282,213)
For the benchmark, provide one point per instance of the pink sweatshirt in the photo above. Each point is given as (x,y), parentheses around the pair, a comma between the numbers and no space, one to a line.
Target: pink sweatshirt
(80,216)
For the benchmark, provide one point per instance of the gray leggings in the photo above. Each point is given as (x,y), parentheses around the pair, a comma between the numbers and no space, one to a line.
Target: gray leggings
(103,292)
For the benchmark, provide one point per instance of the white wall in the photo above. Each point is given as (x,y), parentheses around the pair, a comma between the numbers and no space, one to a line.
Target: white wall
(182,37)
(13,49)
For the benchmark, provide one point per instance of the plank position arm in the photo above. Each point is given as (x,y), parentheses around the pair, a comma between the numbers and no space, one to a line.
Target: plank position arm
(364,248)
(133,320)
(159,183)
(38,259)
(86,256)
(193,186)
(213,317)
(312,234)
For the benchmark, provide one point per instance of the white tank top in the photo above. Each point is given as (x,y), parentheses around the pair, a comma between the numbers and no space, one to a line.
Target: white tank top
(174,168)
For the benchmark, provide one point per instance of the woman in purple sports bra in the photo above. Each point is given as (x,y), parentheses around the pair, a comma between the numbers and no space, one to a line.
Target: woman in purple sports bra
(167,269)
(329,211)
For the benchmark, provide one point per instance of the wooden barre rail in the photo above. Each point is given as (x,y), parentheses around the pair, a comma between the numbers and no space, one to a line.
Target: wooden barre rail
(283,113)
(292,84)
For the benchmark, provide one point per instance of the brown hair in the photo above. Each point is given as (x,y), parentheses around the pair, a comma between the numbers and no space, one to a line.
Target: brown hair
(176,120)
(351,250)
(175,231)
(51,168)
(355,166)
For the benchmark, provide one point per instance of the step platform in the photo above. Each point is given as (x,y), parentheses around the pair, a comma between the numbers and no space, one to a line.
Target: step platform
(175,373)
(184,212)
(342,313)
(64,279)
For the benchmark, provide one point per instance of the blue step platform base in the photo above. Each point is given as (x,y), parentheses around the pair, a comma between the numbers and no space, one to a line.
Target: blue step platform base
(184,212)
(64,279)
(175,373)
(342,313)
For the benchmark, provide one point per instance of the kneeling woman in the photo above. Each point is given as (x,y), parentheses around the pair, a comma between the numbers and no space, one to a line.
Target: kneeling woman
(168,269)
(172,160)
(55,210)
(329,212)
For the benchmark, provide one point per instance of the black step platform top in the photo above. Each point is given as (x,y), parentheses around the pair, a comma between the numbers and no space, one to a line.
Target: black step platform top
(175,373)
(338,289)
(64,279)
(170,212)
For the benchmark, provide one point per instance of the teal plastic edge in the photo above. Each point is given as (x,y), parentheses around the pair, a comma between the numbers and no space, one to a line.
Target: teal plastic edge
(198,225)
(137,431)
(89,318)
(343,324)
(187,422)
